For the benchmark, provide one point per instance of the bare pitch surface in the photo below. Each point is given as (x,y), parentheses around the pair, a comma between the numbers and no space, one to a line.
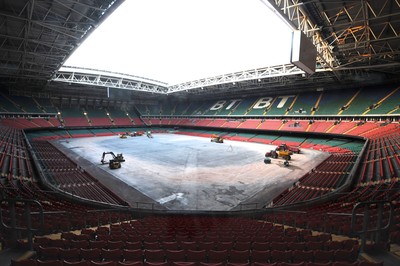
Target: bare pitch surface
(192,173)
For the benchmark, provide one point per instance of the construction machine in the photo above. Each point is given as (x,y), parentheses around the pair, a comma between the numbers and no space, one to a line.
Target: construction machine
(115,162)
(285,154)
(122,136)
(217,139)
(284,146)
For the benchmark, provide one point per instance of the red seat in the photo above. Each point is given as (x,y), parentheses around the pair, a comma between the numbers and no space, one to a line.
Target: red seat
(239,256)
(48,253)
(154,255)
(183,263)
(188,245)
(345,255)
(91,254)
(323,256)
(223,245)
(281,256)
(206,245)
(97,244)
(261,256)
(49,263)
(196,255)
(132,255)
(302,255)
(79,244)
(171,245)
(72,254)
(129,263)
(102,263)
(115,244)
(260,245)
(217,256)
(151,263)
(175,255)
(111,254)
(76,263)
(133,245)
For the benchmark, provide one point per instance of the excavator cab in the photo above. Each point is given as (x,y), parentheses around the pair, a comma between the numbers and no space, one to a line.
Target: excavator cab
(115,162)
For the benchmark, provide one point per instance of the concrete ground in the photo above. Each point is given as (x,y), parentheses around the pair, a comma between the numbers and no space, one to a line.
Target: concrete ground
(181,172)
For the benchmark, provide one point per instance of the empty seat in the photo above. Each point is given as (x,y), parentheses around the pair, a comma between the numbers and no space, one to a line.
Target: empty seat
(91,254)
(196,255)
(154,255)
(111,254)
(217,256)
(175,255)
(132,255)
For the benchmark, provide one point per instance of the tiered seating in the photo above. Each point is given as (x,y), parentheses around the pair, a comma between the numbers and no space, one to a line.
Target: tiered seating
(20,123)
(66,176)
(326,177)
(18,180)
(250,123)
(219,123)
(295,125)
(80,133)
(244,106)
(382,160)
(167,108)
(196,108)
(274,110)
(74,117)
(144,110)
(362,127)
(304,104)
(379,181)
(320,126)
(120,118)
(270,124)
(15,159)
(26,104)
(179,240)
(332,101)
(365,99)
(387,105)
(46,105)
(7,106)
(342,127)
(98,117)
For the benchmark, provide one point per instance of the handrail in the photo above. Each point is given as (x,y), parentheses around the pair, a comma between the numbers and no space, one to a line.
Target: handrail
(27,215)
(379,228)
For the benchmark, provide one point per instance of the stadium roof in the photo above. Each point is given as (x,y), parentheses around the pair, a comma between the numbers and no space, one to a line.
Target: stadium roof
(358,44)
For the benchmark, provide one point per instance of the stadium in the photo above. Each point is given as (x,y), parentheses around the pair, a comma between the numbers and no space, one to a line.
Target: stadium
(296,164)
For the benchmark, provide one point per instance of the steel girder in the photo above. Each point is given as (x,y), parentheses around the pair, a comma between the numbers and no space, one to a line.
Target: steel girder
(233,78)
(365,33)
(85,76)
(37,36)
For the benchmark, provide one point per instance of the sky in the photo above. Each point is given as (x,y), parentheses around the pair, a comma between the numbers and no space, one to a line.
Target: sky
(176,41)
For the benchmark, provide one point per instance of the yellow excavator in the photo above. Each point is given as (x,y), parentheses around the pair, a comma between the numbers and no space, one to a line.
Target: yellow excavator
(217,138)
(115,162)
(282,153)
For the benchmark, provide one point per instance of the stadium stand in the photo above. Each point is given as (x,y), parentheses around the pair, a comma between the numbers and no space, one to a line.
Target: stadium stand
(343,212)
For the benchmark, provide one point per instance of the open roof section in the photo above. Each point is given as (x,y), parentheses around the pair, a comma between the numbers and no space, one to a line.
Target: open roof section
(177,41)
(364,36)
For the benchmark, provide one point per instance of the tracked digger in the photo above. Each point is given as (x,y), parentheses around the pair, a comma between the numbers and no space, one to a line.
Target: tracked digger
(115,162)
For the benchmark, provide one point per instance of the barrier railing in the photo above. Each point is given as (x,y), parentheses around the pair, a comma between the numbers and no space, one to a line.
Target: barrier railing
(13,222)
(369,226)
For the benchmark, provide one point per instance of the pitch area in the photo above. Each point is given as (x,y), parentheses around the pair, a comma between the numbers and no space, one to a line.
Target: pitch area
(181,172)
